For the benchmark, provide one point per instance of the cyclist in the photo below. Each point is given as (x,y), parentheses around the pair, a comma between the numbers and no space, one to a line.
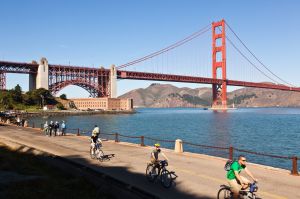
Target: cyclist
(95,136)
(154,157)
(235,180)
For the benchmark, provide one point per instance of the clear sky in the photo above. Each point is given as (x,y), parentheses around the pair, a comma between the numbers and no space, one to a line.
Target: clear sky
(105,32)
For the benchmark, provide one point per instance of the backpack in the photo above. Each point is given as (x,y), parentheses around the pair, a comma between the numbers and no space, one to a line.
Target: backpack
(228,165)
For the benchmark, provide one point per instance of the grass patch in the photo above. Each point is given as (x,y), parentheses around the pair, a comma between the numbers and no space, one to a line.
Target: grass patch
(49,182)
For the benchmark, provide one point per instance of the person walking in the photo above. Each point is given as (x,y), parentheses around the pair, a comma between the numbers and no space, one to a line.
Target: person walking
(56,127)
(51,127)
(63,128)
(23,122)
(18,121)
(46,128)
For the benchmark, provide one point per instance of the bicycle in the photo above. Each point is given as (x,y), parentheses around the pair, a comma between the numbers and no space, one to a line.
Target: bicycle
(96,151)
(153,171)
(226,193)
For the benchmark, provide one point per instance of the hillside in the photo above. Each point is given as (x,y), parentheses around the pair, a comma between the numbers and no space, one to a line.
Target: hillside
(167,95)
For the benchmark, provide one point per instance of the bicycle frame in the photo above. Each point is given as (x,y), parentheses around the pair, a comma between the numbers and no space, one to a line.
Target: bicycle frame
(252,189)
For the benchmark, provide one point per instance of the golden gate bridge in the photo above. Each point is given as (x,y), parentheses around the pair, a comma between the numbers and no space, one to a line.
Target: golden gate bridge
(179,62)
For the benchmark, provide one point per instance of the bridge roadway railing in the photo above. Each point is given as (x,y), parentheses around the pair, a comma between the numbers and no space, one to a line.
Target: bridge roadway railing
(149,141)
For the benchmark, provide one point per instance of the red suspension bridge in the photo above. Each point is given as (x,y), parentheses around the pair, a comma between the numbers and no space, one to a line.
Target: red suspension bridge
(190,60)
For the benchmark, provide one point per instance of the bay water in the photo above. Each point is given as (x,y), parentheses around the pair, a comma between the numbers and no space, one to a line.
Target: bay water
(274,131)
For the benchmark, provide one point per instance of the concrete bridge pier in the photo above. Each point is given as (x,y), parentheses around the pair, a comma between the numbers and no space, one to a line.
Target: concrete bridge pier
(32,81)
(41,79)
(113,82)
(2,81)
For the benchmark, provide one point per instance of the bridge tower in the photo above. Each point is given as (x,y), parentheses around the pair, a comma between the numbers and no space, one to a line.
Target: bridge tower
(2,80)
(219,65)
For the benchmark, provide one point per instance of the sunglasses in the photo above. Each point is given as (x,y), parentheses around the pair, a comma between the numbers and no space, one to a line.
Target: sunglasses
(244,160)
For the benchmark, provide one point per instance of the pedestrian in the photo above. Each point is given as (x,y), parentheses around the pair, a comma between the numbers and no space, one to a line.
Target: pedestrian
(51,127)
(56,127)
(63,128)
(18,121)
(23,122)
(46,128)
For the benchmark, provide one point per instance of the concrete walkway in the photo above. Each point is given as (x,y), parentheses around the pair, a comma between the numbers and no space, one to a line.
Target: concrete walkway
(200,176)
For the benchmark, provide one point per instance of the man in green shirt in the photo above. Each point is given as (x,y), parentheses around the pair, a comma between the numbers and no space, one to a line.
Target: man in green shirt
(235,180)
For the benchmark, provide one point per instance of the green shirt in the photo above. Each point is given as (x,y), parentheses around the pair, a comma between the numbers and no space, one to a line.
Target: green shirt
(235,166)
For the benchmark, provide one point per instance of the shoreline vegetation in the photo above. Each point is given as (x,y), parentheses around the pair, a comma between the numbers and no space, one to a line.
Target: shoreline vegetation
(15,102)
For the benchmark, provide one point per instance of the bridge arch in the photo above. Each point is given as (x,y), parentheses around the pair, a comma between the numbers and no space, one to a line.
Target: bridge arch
(93,89)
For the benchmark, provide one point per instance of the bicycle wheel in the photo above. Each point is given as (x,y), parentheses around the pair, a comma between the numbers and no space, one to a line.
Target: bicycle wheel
(166,179)
(151,173)
(224,193)
(92,153)
(100,155)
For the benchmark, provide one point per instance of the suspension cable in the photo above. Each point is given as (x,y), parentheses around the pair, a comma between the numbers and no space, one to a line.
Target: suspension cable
(175,45)
(236,48)
(256,57)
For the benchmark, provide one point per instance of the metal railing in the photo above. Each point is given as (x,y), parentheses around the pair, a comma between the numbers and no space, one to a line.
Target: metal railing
(230,149)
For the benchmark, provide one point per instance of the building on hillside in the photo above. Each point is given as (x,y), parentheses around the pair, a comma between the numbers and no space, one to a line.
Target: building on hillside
(104,103)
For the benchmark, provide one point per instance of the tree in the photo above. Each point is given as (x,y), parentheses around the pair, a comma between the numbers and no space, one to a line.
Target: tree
(60,106)
(63,96)
(16,94)
(5,101)
(40,97)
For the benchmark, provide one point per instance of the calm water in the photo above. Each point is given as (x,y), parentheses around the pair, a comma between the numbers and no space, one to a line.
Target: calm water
(268,130)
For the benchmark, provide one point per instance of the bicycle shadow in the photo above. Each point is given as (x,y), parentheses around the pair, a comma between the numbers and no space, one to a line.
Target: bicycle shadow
(107,157)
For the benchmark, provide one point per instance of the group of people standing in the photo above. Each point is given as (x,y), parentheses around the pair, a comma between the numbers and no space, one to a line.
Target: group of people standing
(55,128)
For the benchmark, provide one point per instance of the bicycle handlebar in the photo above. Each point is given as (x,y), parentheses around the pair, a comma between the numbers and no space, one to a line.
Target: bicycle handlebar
(164,163)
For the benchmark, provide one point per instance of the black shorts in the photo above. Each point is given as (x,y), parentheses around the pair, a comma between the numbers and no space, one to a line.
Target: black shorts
(94,138)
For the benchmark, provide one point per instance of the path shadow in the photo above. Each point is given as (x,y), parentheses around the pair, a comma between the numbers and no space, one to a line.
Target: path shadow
(120,181)
(125,179)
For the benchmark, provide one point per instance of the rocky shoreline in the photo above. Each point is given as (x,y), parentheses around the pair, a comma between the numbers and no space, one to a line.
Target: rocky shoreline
(65,113)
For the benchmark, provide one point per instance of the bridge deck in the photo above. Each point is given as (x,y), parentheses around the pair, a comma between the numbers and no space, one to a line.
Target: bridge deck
(199,175)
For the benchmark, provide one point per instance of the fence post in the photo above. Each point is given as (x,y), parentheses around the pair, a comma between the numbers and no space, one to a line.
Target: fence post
(142,141)
(231,153)
(78,132)
(295,166)
(117,137)
(33,125)
(178,146)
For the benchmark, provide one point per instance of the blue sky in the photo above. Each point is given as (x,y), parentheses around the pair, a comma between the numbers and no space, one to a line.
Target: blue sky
(101,33)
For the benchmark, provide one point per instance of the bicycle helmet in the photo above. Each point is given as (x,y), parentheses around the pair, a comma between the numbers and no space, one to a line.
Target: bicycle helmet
(157,145)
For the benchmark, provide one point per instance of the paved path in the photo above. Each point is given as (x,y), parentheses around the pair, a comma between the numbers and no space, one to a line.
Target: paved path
(199,175)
